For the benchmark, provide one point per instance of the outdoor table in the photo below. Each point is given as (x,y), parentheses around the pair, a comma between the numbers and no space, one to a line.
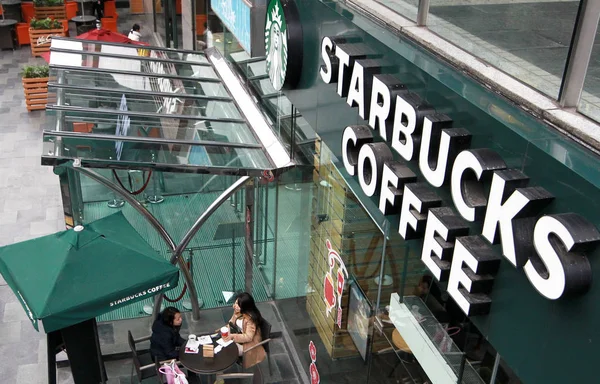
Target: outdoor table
(201,365)
(84,23)
(87,7)
(12,10)
(8,37)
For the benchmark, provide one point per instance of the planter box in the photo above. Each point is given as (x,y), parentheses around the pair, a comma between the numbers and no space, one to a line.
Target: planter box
(58,12)
(137,6)
(40,39)
(36,93)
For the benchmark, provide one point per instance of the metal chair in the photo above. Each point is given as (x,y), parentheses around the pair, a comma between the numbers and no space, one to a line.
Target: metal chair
(142,362)
(265,332)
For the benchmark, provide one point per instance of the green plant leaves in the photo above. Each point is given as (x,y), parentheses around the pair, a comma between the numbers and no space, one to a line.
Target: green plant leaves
(46,23)
(48,3)
(35,71)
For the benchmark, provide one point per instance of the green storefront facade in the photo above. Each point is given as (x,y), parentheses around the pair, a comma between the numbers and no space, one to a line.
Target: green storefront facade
(542,340)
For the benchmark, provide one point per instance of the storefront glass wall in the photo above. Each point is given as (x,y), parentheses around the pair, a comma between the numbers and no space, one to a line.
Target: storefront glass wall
(589,104)
(316,186)
(177,200)
(529,41)
(470,345)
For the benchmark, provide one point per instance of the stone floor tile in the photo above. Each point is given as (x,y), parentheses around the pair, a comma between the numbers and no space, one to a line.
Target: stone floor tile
(8,372)
(42,228)
(14,312)
(31,374)
(8,217)
(42,351)
(17,204)
(10,332)
(28,215)
(53,213)
(20,353)
(64,376)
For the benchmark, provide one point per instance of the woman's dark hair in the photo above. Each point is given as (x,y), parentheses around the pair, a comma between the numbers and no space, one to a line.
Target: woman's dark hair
(168,316)
(136,27)
(248,307)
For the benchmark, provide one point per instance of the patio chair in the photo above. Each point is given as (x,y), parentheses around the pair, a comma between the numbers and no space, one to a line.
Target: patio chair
(142,362)
(265,331)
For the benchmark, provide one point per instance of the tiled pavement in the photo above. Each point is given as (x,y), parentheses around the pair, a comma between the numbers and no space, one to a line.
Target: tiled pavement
(30,207)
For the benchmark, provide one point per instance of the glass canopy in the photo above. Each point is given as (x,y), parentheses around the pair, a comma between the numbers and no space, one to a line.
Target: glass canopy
(277,106)
(116,105)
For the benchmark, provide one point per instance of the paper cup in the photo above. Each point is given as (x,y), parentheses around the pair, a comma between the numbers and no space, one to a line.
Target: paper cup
(224,332)
(192,337)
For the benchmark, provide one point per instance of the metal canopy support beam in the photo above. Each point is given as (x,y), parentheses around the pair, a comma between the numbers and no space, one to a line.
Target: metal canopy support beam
(132,73)
(143,114)
(578,60)
(129,57)
(135,92)
(228,169)
(128,45)
(148,140)
(274,149)
(159,228)
(239,183)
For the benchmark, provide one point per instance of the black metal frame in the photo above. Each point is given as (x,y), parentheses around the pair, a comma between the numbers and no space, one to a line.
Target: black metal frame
(135,92)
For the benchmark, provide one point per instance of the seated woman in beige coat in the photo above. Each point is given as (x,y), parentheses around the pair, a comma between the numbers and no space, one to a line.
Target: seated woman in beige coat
(247,318)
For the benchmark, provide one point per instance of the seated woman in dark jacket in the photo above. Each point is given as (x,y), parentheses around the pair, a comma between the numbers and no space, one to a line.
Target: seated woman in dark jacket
(165,340)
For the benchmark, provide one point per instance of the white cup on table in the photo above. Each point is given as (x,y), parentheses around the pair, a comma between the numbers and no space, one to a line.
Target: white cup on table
(192,337)
(225,332)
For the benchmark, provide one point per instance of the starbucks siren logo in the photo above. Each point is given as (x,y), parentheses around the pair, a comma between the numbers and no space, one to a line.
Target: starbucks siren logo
(276,44)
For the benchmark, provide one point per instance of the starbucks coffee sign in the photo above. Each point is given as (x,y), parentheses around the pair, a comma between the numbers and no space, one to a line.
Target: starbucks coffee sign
(402,129)
(283,44)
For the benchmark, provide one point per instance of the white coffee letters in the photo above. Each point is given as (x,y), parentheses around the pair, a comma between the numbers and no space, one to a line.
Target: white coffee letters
(551,249)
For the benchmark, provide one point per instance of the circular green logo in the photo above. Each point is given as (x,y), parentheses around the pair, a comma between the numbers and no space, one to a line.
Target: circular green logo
(276,44)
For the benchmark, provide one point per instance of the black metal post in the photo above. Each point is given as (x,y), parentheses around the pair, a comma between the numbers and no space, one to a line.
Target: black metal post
(249,235)
(233,257)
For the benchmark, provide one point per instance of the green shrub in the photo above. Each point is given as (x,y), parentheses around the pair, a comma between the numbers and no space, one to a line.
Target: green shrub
(35,71)
(46,23)
(48,3)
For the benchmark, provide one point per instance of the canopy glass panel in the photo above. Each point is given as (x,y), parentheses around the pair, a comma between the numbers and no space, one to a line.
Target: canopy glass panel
(124,105)
(277,107)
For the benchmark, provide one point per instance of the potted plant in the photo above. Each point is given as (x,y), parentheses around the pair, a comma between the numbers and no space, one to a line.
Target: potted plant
(50,8)
(41,32)
(35,86)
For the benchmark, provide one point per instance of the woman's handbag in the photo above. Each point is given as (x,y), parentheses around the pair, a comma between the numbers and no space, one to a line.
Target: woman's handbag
(233,328)
(173,374)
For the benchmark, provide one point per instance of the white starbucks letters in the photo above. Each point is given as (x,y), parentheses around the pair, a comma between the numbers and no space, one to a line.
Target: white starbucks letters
(326,53)
(474,265)
(560,266)
(511,213)
(550,249)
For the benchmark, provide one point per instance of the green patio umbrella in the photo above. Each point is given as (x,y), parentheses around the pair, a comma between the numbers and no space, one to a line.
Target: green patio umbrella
(78,274)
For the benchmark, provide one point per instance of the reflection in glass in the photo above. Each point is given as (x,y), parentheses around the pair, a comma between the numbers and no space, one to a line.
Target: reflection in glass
(529,41)
(118,150)
(589,104)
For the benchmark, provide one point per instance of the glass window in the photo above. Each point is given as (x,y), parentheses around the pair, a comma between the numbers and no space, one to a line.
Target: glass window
(406,8)
(529,41)
(589,104)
